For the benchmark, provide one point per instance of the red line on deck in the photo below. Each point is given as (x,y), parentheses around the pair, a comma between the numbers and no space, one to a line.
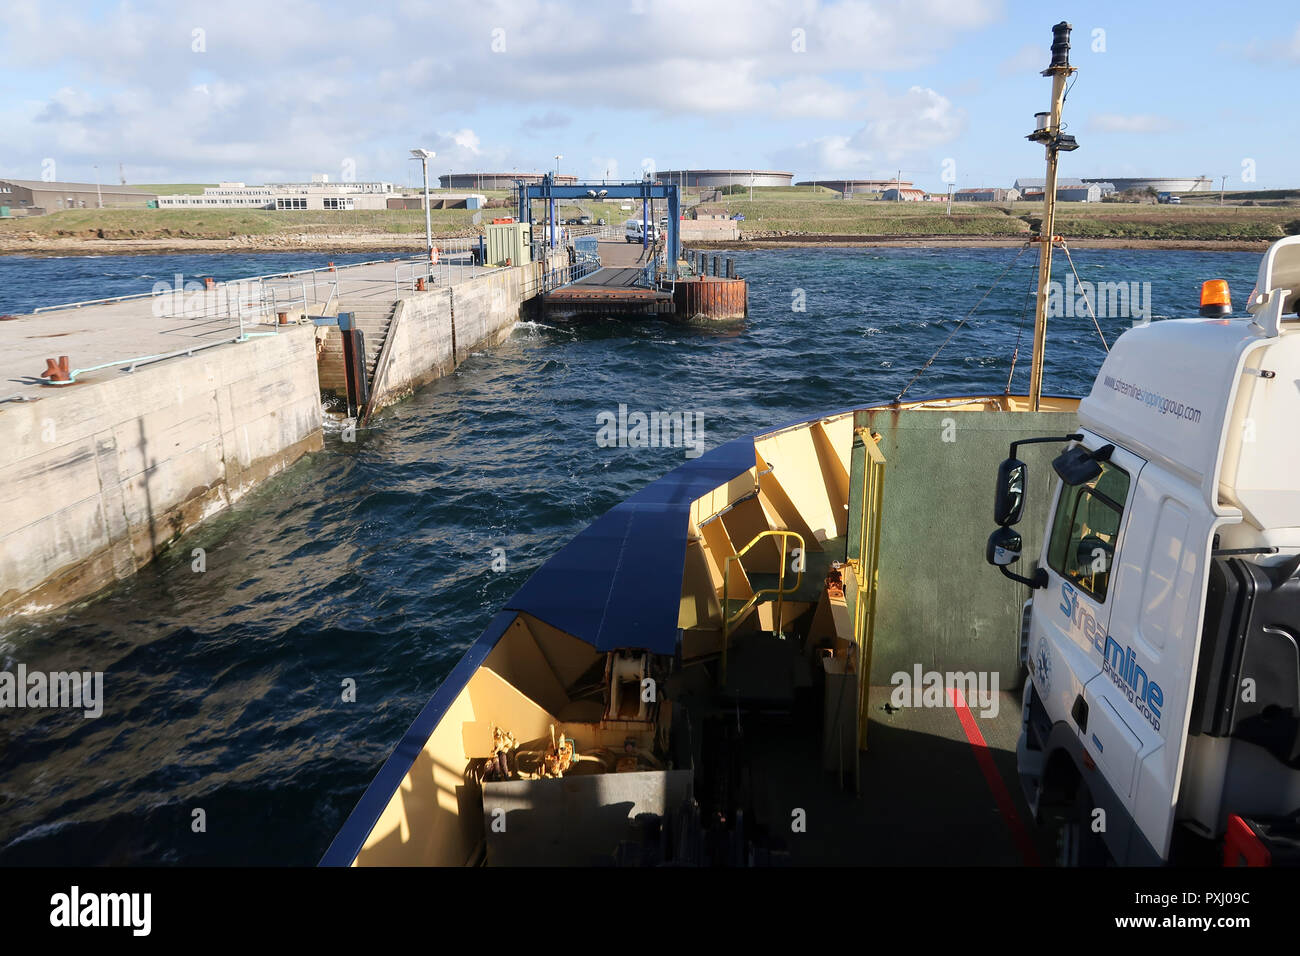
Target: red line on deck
(1006,806)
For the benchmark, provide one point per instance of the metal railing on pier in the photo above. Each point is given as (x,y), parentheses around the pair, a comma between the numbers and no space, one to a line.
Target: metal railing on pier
(255,306)
(552,279)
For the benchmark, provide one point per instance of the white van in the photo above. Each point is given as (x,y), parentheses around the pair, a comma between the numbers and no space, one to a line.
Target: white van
(633,231)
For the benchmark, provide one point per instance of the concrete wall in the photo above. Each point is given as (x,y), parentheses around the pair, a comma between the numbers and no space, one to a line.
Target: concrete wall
(721,230)
(98,476)
(475,314)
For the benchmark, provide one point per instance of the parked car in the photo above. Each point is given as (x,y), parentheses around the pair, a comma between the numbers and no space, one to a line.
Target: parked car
(601,222)
(738,217)
(584,220)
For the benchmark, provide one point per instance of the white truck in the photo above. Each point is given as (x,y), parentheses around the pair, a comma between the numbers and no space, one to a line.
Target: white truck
(1161,719)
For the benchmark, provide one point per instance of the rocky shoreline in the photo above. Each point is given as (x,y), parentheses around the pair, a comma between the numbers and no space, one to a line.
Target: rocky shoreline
(38,245)
(35,244)
(791,240)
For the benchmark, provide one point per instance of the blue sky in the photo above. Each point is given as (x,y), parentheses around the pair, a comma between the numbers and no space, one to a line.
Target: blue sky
(263,91)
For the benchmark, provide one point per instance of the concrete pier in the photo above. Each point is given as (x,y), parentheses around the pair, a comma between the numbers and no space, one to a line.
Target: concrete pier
(182,404)
(98,477)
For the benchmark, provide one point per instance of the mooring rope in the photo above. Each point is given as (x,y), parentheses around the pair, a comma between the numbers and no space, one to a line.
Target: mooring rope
(1095,324)
(920,371)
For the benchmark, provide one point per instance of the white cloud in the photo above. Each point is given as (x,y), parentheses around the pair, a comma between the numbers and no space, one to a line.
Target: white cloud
(1270,53)
(907,125)
(298,85)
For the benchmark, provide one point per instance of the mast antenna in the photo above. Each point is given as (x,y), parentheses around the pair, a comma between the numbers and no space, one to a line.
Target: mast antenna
(1048,132)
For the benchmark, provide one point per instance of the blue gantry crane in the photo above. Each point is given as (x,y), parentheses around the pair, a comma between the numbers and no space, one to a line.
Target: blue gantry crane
(548,191)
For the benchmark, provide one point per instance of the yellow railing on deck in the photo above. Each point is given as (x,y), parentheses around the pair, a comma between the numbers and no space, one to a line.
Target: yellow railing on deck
(866,571)
(780,591)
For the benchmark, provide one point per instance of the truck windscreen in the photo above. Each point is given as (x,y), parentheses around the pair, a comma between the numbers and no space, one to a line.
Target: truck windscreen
(1082,543)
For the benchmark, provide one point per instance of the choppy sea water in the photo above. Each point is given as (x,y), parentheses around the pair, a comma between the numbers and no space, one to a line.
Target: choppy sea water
(373,561)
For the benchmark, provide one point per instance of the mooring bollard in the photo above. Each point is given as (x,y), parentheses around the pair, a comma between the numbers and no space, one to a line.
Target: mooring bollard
(57,371)
(332,269)
(419,285)
(209,282)
(283,317)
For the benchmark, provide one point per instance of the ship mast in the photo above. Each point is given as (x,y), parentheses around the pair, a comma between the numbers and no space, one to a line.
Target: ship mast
(1049,134)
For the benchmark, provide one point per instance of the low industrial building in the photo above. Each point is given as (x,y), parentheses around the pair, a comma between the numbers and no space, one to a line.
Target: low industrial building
(35,197)
(1036,184)
(223,195)
(986,194)
(705,211)
(320,193)
(904,194)
(1161,184)
(1090,192)
(1067,190)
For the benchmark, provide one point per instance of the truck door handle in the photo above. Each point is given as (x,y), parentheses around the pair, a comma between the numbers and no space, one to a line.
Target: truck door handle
(1080,713)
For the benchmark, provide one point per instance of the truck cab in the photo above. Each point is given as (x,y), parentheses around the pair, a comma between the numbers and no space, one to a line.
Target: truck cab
(1161,714)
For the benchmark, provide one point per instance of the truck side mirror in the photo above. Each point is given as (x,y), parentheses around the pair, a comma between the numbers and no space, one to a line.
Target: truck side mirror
(1009,501)
(1003,547)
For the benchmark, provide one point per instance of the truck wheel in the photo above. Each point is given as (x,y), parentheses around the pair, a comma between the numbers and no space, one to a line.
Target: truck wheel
(1076,843)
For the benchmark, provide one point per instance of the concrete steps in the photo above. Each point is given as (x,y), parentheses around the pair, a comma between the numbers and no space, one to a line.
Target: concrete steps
(374,322)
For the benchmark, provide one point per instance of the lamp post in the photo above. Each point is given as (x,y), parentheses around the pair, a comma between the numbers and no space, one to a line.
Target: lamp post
(555,204)
(424,155)
(100,194)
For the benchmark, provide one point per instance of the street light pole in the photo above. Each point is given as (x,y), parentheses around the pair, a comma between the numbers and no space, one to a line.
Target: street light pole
(98,192)
(424,155)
